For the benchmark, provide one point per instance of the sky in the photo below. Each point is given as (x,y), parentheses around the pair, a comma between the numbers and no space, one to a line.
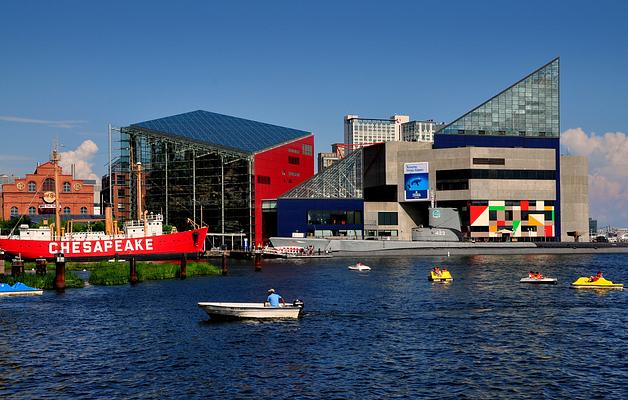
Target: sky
(69,68)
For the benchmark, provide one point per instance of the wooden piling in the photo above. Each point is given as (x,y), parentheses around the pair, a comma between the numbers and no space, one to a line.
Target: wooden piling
(224,264)
(17,267)
(1,262)
(258,262)
(133,271)
(183,272)
(40,266)
(59,283)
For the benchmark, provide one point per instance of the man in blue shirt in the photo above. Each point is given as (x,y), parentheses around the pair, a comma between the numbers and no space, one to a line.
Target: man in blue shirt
(274,298)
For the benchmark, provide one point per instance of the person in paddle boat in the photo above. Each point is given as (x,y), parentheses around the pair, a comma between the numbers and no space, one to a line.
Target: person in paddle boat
(437,271)
(596,277)
(531,275)
(274,299)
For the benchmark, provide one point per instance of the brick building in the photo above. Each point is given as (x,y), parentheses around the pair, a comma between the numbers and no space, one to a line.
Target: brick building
(34,195)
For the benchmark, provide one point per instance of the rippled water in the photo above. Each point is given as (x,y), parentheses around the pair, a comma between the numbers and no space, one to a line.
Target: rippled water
(388,333)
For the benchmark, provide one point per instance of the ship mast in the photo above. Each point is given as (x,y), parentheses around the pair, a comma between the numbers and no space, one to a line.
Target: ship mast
(139,191)
(55,164)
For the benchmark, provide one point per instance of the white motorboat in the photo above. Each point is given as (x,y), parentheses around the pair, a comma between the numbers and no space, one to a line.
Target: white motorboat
(359,267)
(252,310)
(539,281)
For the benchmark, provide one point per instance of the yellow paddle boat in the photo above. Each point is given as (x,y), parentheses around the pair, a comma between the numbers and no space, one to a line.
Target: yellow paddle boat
(438,275)
(587,283)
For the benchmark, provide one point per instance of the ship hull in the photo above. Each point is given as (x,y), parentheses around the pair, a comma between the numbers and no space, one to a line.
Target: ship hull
(167,246)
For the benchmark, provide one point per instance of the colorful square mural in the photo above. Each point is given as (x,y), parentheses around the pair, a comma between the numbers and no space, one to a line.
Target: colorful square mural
(512,218)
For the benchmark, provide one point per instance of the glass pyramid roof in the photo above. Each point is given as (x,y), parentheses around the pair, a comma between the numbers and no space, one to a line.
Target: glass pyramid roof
(341,180)
(530,107)
(222,130)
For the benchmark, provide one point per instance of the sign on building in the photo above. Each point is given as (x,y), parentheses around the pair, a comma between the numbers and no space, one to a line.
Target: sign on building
(416,182)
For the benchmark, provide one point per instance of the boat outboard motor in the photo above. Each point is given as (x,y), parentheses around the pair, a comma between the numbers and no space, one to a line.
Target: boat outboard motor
(298,303)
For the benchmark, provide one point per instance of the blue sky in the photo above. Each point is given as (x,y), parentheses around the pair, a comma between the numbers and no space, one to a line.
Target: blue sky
(67,68)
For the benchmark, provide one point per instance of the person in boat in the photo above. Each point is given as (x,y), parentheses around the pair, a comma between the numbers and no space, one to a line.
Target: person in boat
(538,275)
(437,271)
(531,275)
(596,277)
(274,299)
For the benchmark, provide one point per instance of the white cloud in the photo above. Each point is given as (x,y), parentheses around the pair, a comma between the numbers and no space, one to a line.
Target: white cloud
(608,172)
(54,124)
(81,159)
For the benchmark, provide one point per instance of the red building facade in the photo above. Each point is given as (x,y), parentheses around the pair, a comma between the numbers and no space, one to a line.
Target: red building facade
(34,195)
(279,169)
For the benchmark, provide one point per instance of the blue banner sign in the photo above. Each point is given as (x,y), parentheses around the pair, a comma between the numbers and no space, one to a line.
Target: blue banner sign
(416,182)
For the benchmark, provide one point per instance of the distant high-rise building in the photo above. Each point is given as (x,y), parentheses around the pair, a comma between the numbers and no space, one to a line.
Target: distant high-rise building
(592,227)
(338,152)
(364,131)
(326,160)
(420,131)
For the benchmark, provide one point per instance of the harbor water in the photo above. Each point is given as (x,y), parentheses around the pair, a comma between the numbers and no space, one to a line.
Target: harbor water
(386,333)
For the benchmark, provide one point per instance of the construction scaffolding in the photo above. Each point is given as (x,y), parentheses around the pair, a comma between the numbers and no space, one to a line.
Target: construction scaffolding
(342,180)
(188,181)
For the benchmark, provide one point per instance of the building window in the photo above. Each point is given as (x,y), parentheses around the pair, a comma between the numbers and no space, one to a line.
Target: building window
(294,160)
(49,185)
(31,186)
(32,210)
(489,161)
(294,174)
(14,212)
(83,210)
(307,149)
(121,194)
(263,179)
(66,187)
(120,180)
(66,210)
(387,218)
(295,151)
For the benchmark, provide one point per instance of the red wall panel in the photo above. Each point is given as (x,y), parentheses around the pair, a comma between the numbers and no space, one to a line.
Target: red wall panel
(275,172)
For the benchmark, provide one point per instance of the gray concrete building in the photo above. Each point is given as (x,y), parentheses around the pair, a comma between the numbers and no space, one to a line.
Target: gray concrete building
(574,191)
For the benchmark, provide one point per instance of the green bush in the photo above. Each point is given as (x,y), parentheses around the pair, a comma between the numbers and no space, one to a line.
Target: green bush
(106,273)
(44,281)
(150,271)
(202,269)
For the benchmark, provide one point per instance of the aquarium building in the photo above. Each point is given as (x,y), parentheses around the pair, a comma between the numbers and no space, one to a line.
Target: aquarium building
(204,168)
(499,165)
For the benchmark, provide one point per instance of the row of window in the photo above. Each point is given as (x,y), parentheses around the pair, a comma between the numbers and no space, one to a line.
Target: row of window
(489,161)
(463,174)
(266,179)
(33,211)
(334,217)
(48,186)
(387,218)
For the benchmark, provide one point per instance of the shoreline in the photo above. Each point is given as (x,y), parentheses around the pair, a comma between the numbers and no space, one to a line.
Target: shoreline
(350,248)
